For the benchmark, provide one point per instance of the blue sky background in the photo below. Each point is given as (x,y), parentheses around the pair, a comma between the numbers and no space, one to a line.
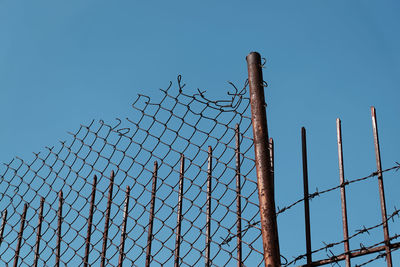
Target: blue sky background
(66,63)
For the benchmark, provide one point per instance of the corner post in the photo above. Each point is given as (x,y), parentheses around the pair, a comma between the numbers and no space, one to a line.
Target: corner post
(265,181)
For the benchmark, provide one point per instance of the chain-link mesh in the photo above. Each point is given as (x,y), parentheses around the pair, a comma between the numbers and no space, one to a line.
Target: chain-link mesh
(180,123)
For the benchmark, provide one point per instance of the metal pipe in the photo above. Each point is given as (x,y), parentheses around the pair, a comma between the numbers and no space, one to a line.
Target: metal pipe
(39,233)
(20,234)
(123,232)
(151,217)
(179,219)
(381,188)
(262,160)
(306,195)
(238,199)
(3,224)
(343,192)
(90,222)
(58,248)
(107,220)
(208,223)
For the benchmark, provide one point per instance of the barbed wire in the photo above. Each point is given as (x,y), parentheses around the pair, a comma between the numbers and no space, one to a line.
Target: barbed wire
(395,213)
(317,193)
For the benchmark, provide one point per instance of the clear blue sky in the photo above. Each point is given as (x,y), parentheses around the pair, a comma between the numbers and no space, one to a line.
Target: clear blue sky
(66,63)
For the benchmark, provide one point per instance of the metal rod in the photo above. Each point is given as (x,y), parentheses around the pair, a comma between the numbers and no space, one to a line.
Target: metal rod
(306,195)
(271,155)
(343,192)
(381,188)
(263,163)
(20,234)
(179,219)
(208,223)
(107,220)
(58,248)
(90,222)
(151,217)
(361,252)
(123,232)
(238,199)
(39,233)
(3,224)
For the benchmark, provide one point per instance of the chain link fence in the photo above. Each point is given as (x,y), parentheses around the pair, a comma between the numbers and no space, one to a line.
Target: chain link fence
(67,230)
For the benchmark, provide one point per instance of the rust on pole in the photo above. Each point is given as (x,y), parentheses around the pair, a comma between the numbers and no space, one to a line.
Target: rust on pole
(208,222)
(3,224)
(343,192)
(58,247)
(151,217)
(107,220)
(381,188)
(262,160)
(306,195)
(123,231)
(20,234)
(179,219)
(90,222)
(39,233)
(238,199)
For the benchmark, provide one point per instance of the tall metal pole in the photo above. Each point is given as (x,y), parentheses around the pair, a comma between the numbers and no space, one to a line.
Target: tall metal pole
(306,195)
(343,193)
(263,164)
(381,188)
(151,217)
(238,199)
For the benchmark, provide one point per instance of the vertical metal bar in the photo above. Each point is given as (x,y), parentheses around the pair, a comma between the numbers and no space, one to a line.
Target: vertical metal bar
(343,192)
(3,224)
(123,232)
(20,233)
(179,219)
(151,217)
(58,248)
(39,233)
(208,223)
(306,195)
(381,188)
(263,163)
(107,220)
(238,200)
(271,155)
(90,222)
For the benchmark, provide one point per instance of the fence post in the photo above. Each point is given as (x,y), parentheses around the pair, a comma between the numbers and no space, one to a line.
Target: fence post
(265,181)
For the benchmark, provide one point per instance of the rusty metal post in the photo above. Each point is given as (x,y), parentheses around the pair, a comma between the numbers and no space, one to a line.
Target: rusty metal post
(263,163)
(123,230)
(381,188)
(343,192)
(208,223)
(107,220)
(151,217)
(39,233)
(20,234)
(90,222)
(179,219)
(238,199)
(58,247)
(306,195)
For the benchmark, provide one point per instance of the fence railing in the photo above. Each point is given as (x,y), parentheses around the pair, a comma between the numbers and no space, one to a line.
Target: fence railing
(185,180)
